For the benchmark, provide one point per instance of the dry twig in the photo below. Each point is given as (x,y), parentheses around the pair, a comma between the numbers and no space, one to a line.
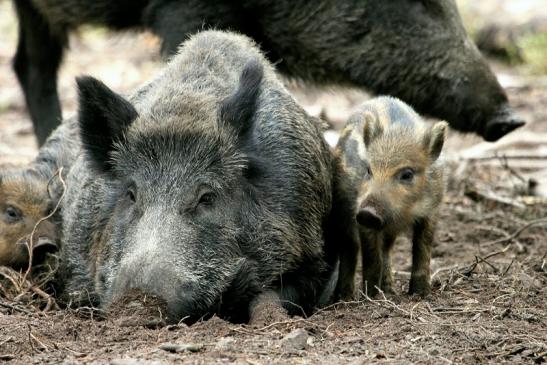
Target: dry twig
(14,308)
(30,243)
(518,232)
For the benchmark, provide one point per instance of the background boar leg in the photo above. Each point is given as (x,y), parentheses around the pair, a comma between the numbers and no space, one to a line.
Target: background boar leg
(38,57)
(422,241)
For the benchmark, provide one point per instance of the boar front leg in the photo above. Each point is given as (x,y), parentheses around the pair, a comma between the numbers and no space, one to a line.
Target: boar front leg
(422,242)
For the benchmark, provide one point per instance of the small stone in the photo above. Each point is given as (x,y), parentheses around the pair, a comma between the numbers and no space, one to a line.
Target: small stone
(174,347)
(530,282)
(296,340)
(225,344)
(134,304)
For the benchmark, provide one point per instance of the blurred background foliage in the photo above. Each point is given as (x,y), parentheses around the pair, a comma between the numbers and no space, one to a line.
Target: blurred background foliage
(511,31)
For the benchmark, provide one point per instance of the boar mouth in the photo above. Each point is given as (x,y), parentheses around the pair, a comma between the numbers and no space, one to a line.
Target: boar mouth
(232,304)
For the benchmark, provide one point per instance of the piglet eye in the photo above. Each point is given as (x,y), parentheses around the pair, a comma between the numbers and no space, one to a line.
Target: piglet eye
(368,172)
(50,209)
(206,199)
(406,175)
(12,214)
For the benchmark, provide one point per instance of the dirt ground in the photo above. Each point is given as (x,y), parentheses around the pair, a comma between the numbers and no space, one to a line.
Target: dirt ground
(489,264)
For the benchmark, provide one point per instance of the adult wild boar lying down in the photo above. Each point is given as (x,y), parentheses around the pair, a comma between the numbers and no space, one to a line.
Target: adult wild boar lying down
(209,186)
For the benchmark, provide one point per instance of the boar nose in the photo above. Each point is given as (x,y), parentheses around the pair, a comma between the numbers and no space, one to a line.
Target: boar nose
(369,217)
(505,120)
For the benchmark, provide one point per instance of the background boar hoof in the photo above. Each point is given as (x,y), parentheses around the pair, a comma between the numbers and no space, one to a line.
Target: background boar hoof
(344,294)
(419,287)
(388,290)
(344,297)
(502,124)
(370,290)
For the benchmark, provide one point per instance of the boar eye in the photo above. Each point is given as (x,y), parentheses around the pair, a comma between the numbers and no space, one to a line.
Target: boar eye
(13,214)
(131,195)
(406,175)
(206,199)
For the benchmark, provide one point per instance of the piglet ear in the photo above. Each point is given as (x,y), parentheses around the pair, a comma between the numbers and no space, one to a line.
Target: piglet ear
(103,118)
(238,110)
(371,127)
(434,139)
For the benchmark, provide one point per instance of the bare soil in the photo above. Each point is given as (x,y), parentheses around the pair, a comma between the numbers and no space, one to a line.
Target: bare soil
(489,264)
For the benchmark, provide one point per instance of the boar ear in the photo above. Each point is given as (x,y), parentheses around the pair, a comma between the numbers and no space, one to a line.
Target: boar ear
(434,139)
(103,117)
(371,128)
(238,110)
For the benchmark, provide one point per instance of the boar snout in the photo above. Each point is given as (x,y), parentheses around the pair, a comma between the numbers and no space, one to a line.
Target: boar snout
(180,297)
(368,216)
(502,122)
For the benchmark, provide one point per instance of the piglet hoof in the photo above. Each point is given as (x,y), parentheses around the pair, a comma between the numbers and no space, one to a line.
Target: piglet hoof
(501,124)
(419,286)
(267,309)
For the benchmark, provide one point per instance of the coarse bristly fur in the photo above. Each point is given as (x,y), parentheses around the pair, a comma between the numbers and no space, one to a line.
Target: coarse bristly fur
(389,180)
(417,50)
(207,187)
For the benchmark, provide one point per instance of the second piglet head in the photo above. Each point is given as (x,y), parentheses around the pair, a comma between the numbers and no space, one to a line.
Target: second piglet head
(176,180)
(25,206)
(403,179)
